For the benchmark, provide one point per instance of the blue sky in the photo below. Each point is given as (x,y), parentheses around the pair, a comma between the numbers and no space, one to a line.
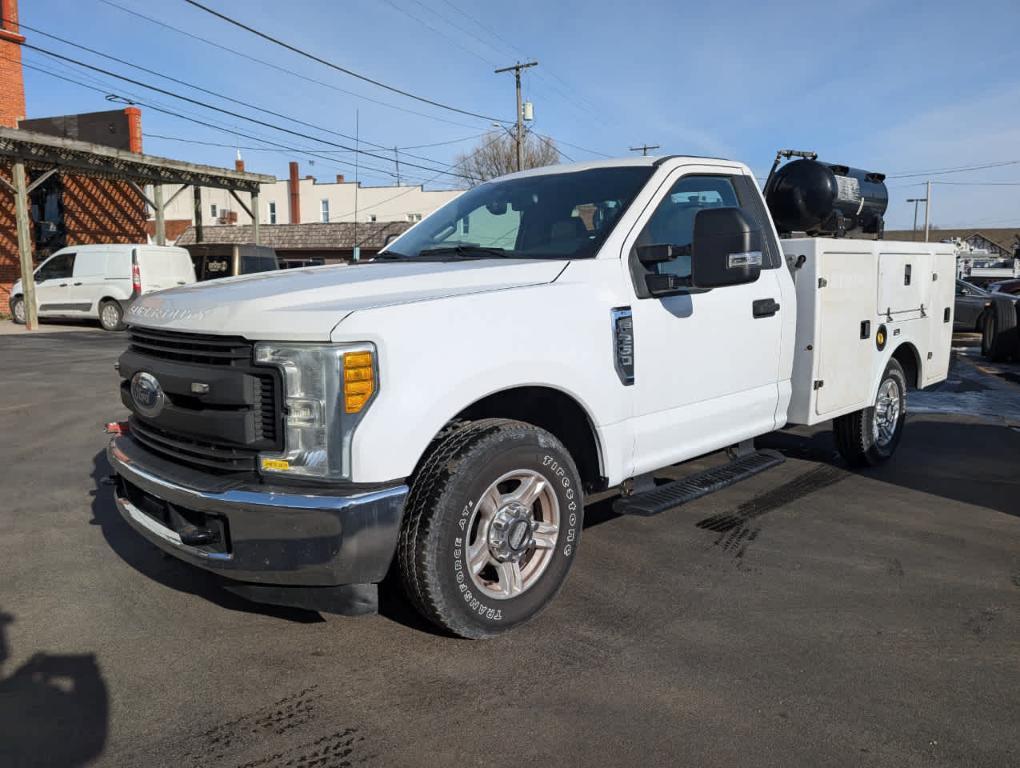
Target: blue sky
(896,87)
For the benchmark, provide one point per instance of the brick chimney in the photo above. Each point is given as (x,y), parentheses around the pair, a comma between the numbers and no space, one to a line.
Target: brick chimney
(339,178)
(134,118)
(239,163)
(12,82)
(294,187)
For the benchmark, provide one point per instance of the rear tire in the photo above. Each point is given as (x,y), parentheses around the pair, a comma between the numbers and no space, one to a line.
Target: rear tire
(869,437)
(999,334)
(111,315)
(491,527)
(18,313)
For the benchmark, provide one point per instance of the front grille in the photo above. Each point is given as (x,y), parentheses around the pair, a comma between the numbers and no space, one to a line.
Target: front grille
(191,347)
(222,432)
(187,450)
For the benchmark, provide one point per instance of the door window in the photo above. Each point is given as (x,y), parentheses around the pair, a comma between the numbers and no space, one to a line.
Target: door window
(673,220)
(59,267)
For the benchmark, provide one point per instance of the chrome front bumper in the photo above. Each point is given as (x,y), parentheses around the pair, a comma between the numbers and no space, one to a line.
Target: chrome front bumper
(267,534)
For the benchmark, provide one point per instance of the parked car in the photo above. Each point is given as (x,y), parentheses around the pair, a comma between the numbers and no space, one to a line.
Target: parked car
(214,260)
(101,281)
(1004,286)
(446,406)
(971,304)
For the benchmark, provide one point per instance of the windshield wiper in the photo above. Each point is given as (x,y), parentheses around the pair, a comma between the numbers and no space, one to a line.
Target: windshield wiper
(467,251)
(390,255)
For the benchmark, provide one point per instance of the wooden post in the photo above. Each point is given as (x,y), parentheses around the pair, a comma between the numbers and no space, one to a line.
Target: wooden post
(160,206)
(21,218)
(198,213)
(255,216)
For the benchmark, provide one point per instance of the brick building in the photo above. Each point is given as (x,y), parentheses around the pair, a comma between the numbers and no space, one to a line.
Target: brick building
(67,209)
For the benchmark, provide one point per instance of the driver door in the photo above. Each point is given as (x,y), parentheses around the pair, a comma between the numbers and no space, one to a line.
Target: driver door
(53,284)
(707,362)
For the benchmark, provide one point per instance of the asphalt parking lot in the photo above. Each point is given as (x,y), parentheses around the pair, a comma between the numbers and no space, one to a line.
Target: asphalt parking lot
(808,616)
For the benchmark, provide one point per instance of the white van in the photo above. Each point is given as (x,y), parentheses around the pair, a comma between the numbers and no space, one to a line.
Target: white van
(100,281)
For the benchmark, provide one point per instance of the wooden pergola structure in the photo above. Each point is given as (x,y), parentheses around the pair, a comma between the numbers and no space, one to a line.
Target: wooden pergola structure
(43,155)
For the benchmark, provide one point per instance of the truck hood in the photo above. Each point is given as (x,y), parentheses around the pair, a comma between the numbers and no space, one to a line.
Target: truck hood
(306,304)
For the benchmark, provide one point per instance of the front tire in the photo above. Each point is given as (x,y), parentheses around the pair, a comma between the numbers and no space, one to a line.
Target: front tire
(111,315)
(18,311)
(491,527)
(869,437)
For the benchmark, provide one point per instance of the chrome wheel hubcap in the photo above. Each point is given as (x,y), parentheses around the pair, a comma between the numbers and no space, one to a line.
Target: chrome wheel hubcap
(512,534)
(887,412)
(19,311)
(109,315)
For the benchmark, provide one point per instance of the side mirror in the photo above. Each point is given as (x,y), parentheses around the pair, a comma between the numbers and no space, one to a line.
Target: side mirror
(726,248)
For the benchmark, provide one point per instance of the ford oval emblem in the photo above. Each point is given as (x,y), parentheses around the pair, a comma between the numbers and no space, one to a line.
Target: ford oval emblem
(147,394)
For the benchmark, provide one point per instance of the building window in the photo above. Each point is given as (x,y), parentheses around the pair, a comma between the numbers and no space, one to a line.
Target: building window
(272,213)
(414,217)
(324,211)
(212,210)
(371,217)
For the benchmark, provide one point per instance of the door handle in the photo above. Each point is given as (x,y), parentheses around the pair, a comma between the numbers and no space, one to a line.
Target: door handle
(764,307)
(77,283)
(63,285)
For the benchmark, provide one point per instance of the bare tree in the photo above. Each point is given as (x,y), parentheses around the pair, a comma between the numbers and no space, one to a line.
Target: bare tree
(496,155)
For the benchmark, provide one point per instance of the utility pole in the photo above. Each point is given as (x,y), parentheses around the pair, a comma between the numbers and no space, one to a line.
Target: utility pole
(643,149)
(396,159)
(915,201)
(516,69)
(927,209)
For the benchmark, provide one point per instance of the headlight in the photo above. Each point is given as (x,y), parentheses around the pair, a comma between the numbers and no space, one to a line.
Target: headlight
(327,388)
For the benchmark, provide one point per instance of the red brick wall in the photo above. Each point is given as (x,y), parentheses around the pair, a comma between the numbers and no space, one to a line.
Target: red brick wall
(100,211)
(12,84)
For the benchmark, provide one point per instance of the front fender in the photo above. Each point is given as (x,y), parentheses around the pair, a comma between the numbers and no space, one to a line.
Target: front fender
(438,358)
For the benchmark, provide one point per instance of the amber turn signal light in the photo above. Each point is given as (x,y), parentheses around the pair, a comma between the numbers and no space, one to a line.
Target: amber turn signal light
(359,380)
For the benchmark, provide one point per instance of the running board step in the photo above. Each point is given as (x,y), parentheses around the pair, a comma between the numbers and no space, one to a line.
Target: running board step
(670,495)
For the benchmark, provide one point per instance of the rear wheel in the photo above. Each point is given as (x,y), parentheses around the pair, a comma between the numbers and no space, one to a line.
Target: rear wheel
(111,315)
(491,527)
(999,333)
(870,436)
(18,313)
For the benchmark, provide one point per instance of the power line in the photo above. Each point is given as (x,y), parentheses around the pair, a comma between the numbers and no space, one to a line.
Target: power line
(564,92)
(978,183)
(958,169)
(550,142)
(427,25)
(185,83)
(337,67)
(277,67)
(231,131)
(205,105)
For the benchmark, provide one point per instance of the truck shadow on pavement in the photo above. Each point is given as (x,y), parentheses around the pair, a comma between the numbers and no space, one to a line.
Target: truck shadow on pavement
(969,462)
(151,562)
(54,709)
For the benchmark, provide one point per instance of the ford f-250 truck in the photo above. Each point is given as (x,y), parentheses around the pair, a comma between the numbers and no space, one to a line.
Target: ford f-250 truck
(445,409)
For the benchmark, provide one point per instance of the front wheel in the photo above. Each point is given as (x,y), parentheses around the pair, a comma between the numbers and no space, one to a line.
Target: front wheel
(491,527)
(869,437)
(18,313)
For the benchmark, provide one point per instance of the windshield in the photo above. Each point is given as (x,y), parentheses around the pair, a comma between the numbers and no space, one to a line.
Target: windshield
(549,216)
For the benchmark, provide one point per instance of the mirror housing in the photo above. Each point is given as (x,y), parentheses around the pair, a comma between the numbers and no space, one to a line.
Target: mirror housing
(726,248)
(650,255)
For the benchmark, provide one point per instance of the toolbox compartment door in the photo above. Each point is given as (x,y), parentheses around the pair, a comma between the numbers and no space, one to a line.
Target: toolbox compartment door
(942,295)
(845,315)
(903,284)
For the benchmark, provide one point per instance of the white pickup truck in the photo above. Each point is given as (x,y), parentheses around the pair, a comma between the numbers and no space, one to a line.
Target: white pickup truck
(444,409)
